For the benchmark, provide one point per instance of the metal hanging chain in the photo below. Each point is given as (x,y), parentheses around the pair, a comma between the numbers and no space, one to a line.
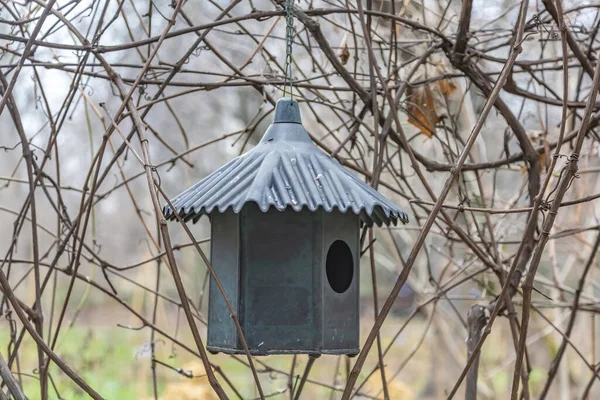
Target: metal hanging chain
(289,36)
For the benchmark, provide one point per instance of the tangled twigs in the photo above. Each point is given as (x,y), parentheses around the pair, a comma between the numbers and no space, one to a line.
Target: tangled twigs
(507,69)
(449,110)
(10,381)
(563,184)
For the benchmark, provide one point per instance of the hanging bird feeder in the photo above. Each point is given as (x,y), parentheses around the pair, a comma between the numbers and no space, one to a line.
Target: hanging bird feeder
(285,221)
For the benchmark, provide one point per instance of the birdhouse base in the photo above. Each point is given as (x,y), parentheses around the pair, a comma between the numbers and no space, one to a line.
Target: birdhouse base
(266,352)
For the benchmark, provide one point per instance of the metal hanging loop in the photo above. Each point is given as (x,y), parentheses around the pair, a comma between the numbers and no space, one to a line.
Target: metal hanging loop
(289,36)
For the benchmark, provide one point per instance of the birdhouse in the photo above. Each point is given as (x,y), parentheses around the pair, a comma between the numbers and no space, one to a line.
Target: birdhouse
(285,220)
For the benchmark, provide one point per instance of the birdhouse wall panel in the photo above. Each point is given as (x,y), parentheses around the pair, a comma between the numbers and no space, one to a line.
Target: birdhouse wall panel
(340,275)
(224,255)
(317,280)
(277,279)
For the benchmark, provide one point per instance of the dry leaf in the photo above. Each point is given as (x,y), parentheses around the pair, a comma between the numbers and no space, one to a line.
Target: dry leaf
(344,54)
(447,86)
(538,138)
(545,156)
(429,102)
(523,168)
(403,12)
(421,110)
(426,105)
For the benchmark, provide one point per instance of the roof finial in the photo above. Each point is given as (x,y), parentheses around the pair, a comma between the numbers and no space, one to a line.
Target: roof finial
(287,110)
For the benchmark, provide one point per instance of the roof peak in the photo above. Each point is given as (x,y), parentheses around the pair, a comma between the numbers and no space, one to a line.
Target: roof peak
(287,125)
(287,110)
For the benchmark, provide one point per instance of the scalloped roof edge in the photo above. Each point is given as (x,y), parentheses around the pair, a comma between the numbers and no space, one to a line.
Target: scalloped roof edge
(195,215)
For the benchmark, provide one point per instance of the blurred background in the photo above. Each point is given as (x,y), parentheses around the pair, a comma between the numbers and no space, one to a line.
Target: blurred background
(203,77)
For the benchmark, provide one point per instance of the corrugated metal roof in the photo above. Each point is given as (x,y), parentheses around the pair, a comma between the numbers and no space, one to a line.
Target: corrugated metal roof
(285,170)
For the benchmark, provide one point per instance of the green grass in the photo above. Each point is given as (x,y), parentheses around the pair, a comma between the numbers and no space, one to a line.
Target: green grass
(104,358)
(107,358)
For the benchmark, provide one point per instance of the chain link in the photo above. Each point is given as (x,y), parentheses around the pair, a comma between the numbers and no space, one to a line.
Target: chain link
(289,37)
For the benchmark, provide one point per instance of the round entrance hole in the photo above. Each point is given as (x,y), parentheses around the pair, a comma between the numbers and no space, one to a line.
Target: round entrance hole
(339,266)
